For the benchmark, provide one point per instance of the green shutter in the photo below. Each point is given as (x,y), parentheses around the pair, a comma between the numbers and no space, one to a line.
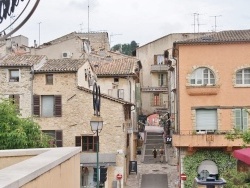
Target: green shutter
(237,115)
(245,119)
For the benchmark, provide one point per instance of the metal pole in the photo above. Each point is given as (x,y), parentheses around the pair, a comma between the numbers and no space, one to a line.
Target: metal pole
(97,162)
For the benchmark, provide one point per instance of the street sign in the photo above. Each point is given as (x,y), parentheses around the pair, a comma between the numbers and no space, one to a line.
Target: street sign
(119,176)
(183,176)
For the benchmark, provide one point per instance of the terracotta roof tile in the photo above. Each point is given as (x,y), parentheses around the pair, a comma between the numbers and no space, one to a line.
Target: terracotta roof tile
(21,60)
(61,65)
(221,37)
(123,66)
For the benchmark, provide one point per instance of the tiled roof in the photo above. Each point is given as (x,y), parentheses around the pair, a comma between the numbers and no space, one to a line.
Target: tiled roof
(123,66)
(61,65)
(21,60)
(230,36)
(106,96)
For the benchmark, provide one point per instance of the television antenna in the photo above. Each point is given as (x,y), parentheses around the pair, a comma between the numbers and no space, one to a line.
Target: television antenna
(110,40)
(215,23)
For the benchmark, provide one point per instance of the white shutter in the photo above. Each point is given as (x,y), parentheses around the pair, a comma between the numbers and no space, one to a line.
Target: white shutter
(206,119)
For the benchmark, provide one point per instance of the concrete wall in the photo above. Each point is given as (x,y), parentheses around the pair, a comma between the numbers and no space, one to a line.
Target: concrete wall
(73,46)
(224,60)
(46,167)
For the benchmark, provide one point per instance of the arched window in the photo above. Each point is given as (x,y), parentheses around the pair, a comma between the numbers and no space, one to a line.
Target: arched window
(243,76)
(202,76)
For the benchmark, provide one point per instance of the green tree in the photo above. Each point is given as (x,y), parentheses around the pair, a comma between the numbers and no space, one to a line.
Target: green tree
(17,132)
(126,49)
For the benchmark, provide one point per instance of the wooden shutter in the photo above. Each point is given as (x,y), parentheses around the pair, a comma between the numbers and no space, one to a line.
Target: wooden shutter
(58,105)
(59,138)
(78,141)
(36,105)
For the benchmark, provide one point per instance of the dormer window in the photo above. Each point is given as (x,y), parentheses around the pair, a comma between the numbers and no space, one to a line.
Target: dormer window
(243,76)
(13,75)
(202,76)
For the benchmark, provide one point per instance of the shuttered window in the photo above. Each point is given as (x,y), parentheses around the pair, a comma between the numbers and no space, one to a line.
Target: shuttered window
(156,99)
(47,105)
(56,137)
(241,119)
(206,119)
(88,143)
(162,79)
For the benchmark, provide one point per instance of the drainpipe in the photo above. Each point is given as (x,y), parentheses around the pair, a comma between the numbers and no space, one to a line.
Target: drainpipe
(31,80)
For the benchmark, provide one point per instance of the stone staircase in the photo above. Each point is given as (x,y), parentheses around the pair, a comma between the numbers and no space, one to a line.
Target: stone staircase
(153,139)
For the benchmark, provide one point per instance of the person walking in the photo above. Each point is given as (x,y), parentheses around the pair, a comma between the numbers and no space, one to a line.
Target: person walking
(155,154)
(161,154)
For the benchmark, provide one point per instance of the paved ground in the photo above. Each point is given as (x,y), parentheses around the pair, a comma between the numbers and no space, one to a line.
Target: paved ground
(154,181)
(169,168)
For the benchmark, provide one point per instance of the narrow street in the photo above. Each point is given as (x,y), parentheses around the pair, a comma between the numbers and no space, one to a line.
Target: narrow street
(153,173)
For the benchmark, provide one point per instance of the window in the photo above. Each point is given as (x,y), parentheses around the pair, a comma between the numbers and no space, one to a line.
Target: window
(47,105)
(159,59)
(49,79)
(162,79)
(14,75)
(56,137)
(88,143)
(241,119)
(120,93)
(15,100)
(243,76)
(206,119)
(202,76)
(156,99)
(116,79)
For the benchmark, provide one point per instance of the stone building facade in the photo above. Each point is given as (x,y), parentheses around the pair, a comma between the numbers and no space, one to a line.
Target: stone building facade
(16,74)
(69,121)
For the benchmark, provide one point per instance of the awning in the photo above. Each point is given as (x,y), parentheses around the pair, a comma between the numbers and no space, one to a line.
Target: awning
(242,155)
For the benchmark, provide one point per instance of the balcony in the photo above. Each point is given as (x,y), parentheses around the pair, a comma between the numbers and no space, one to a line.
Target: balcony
(204,139)
(159,68)
(153,89)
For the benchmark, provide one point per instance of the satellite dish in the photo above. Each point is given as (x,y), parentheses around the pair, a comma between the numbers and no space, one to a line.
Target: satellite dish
(86,47)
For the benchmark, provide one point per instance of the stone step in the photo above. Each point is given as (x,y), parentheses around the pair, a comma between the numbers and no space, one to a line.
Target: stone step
(154,133)
(149,152)
(149,141)
(151,146)
(154,137)
(151,160)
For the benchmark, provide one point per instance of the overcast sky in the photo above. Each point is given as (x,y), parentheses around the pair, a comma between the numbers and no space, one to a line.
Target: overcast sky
(140,20)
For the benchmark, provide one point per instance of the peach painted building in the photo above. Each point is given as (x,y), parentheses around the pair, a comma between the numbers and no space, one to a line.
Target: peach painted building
(212,93)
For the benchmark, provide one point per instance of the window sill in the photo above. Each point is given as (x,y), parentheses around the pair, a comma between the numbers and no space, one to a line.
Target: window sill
(242,85)
(202,90)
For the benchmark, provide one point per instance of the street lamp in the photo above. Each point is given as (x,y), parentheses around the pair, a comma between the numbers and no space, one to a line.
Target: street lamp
(96,124)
